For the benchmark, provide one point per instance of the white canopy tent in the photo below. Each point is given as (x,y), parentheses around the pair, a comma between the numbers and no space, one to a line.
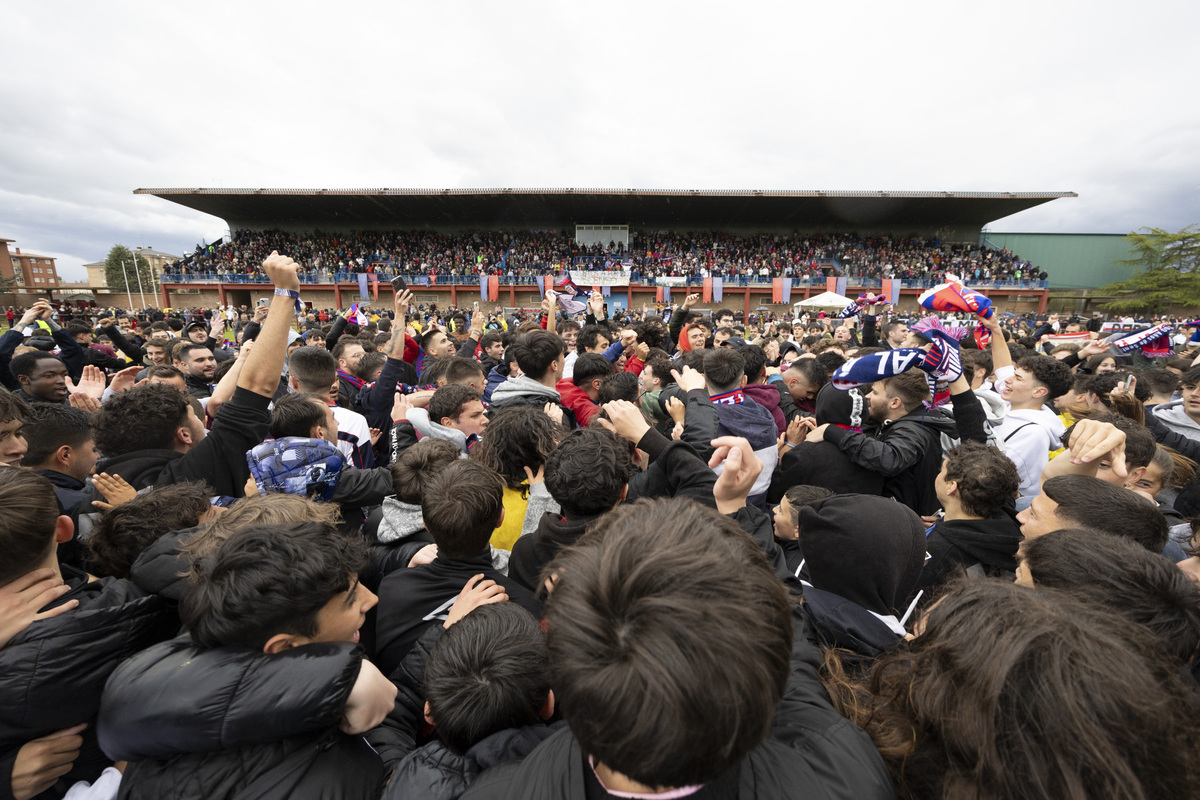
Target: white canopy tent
(823,302)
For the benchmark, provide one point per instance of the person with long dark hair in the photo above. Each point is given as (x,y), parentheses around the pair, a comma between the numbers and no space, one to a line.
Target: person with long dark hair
(1011,693)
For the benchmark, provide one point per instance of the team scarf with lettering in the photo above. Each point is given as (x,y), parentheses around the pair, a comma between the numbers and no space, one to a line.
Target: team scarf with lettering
(733,398)
(941,362)
(1153,342)
(867,369)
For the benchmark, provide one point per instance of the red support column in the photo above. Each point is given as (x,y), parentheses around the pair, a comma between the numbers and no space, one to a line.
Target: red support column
(1043,300)
(166,296)
(628,298)
(746,304)
(454,295)
(337,295)
(512,296)
(221,293)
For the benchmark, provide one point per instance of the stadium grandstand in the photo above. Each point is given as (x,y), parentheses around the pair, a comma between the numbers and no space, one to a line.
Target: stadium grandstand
(509,245)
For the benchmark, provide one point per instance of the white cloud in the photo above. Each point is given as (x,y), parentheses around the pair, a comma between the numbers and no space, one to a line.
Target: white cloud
(870,95)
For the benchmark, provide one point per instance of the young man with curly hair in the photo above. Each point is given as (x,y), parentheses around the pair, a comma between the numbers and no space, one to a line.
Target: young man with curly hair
(150,435)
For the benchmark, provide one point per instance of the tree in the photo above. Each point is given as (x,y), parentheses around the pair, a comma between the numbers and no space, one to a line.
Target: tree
(119,263)
(1168,273)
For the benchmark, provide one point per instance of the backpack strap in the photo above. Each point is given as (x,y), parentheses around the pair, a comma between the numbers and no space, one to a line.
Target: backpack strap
(1014,433)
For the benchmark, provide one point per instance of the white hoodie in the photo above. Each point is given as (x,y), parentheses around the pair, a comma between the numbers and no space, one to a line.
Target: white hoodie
(1028,437)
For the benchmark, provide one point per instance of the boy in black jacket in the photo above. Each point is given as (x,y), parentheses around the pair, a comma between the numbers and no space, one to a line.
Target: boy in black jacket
(53,672)
(275,612)
(479,724)
(461,507)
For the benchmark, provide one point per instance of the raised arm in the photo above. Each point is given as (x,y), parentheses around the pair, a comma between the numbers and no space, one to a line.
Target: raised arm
(1001,357)
(68,349)
(216,328)
(113,331)
(229,382)
(335,332)
(11,340)
(265,362)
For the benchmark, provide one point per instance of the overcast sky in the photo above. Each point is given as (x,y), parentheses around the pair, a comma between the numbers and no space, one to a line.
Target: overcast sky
(101,98)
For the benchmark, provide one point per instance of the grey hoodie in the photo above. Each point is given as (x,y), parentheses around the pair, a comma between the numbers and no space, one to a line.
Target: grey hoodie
(516,391)
(1174,416)
(401,520)
(419,417)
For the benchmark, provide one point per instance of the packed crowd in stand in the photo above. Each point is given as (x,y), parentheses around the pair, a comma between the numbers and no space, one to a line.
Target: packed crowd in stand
(648,254)
(403,552)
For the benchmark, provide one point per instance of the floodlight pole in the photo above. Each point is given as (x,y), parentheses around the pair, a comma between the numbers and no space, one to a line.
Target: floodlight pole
(139,277)
(125,273)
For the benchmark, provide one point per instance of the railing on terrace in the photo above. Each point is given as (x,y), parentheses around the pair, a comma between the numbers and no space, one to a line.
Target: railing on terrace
(417,281)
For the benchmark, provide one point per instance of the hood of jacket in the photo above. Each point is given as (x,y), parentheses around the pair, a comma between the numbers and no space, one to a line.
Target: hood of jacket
(141,468)
(869,550)
(400,520)
(419,417)
(161,566)
(522,389)
(846,408)
(938,420)
(750,421)
(434,772)
(495,377)
(992,542)
(1174,416)
(767,396)
(533,551)
(993,406)
(1045,420)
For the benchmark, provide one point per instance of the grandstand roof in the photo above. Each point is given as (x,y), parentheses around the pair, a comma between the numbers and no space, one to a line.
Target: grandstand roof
(646,209)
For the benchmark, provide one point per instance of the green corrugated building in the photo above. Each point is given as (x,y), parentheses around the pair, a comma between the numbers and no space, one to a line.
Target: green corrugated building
(1073,260)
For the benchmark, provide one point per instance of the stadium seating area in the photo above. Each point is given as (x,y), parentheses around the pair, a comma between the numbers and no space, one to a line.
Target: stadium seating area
(327,256)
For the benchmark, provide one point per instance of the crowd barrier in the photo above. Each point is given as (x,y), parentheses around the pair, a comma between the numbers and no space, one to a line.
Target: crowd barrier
(418,281)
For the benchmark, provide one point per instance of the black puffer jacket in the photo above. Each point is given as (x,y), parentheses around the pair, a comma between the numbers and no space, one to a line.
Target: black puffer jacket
(159,569)
(329,766)
(812,751)
(211,723)
(432,771)
(53,673)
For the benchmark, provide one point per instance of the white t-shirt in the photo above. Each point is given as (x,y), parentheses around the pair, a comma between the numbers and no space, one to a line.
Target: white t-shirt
(354,437)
